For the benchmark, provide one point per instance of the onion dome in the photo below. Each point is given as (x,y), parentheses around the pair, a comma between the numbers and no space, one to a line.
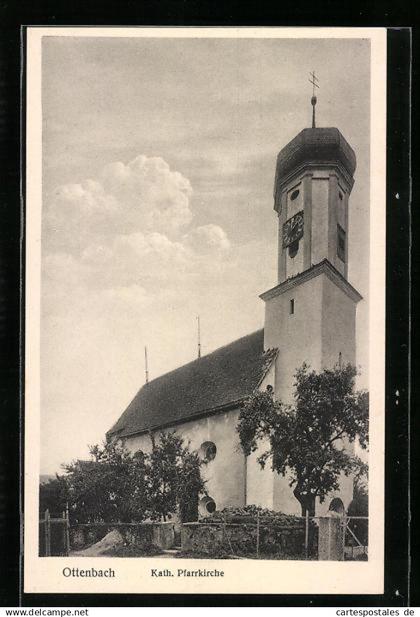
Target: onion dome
(315,147)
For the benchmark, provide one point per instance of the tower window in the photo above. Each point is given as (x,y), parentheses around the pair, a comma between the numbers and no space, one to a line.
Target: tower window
(293,248)
(341,243)
(292,306)
(294,195)
(340,194)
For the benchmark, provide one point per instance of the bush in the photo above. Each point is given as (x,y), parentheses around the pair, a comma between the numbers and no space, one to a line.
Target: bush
(249,514)
(280,535)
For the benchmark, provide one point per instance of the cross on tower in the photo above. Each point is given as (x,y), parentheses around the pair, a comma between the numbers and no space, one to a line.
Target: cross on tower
(313,80)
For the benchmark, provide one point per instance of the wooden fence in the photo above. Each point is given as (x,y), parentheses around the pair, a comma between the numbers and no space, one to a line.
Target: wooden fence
(54,535)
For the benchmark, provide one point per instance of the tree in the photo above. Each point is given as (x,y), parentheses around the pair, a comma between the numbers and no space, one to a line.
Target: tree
(191,486)
(110,487)
(53,496)
(175,481)
(306,440)
(116,485)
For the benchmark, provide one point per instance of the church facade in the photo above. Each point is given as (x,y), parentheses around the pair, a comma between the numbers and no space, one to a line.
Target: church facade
(310,316)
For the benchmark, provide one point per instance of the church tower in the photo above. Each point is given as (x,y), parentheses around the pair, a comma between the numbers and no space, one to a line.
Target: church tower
(310,315)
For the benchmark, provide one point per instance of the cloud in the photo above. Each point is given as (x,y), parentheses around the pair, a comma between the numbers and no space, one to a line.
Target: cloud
(155,195)
(125,237)
(147,259)
(142,195)
(126,230)
(208,239)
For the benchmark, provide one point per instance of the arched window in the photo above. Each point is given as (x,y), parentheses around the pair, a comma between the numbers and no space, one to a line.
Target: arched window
(207,451)
(337,506)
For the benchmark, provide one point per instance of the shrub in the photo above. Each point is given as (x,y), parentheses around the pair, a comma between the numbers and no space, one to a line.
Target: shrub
(250,513)
(280,534)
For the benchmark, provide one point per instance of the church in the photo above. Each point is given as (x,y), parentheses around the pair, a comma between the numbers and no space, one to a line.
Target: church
(310,316)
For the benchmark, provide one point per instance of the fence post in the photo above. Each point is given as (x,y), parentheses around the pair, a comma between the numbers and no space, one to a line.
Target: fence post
(66,543)
(64,534)
(67,529)
(258,534)
(47,533)
(344,523)
(330,541)
(307,534)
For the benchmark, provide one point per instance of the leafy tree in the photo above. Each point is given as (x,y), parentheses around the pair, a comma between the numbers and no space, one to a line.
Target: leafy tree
(118,486)
(306,440)
(106,487)
(138,492)
(53,496)
(190,486)
(175,481)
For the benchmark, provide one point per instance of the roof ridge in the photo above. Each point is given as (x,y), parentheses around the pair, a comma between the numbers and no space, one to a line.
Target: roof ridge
(220,377)
(207,355)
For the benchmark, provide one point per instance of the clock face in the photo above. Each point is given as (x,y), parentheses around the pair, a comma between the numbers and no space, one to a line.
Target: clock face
(293,229)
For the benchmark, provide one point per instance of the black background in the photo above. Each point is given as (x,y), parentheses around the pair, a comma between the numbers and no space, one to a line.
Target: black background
(399,579)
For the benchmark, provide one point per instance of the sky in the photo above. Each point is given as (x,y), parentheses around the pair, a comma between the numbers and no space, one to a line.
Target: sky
(158,170)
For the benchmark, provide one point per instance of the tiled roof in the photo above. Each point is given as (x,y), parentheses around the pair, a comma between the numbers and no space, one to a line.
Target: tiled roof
(214,381)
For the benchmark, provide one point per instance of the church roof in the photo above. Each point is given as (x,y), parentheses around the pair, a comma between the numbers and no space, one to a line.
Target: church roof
(214,382)
(315,145)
